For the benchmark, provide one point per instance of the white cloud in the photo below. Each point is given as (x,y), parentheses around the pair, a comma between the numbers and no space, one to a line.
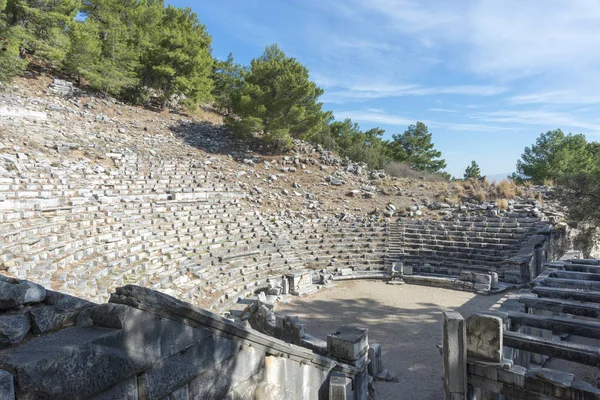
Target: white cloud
(545,118)
(374,116)
(374,90)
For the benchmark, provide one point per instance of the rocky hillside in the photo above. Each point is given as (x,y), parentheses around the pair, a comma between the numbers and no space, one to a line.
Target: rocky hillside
(50,125)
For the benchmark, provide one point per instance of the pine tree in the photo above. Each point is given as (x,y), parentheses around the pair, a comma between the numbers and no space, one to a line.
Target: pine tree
(472,171)
(11,62)
(277,98)
(85,49)
(227,77)
(42,26)
(125,28)
(180,63)
(414,147)
(555,154)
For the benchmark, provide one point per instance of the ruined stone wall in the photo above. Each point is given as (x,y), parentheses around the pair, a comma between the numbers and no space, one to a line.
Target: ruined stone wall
(147,345)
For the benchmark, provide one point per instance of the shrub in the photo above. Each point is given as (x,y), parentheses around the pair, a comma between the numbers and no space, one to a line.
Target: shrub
(502,204)
(506,189)
(480,195)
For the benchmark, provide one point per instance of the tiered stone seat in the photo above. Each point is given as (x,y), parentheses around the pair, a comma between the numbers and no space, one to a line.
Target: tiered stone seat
(480,244)
(332,245)
(87,232)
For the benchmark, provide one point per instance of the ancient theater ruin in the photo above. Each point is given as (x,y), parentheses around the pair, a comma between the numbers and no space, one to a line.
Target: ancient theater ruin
(138,266)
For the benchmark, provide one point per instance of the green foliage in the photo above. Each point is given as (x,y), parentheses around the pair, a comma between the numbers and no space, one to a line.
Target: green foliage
(555,154)
(119,24)
(278,98)
(579,192)
(45,25)
(227,77)
(414,146)
(359,146)
(11,62)
(85,49)
(180,62)
(472,171)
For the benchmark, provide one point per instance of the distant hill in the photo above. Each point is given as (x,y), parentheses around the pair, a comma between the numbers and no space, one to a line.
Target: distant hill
(498,177)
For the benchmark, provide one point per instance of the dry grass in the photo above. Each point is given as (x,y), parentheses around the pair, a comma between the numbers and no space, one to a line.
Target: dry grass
(540,198)
(502,204)
(205,114)
(403,170)
(506,189)
(480,194)
(485,183)
(548,182)
(460,189)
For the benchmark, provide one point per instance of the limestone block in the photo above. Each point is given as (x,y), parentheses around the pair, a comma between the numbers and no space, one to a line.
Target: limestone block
(294,380)
(494,284)
(14,292)
(482,278)
(454,355)
(484,337)
(126,390)
(7,386)
(266,391)
(160,338)
(483,287)
(375,362)
(13,328)
(348,343)
(179,394)
(340,387)
(61,370)
(213,384)
(165,378)
(466,276)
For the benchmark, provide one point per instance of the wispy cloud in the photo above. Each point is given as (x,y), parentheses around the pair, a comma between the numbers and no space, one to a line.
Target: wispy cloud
(375,116)
(378,91)
(444,110)
(549,119)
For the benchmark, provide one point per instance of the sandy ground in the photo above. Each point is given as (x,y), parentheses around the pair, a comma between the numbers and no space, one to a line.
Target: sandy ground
(406,320)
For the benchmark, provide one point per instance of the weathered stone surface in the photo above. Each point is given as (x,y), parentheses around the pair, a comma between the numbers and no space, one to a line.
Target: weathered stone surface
(126,390)
(212,384)
(69,365)
(180,394)
(454,355)
(105,315)
(13,328)
(348,343)
(340,387)
(484,337)
(7,387)
(152,335)
(14,293)
(48,318)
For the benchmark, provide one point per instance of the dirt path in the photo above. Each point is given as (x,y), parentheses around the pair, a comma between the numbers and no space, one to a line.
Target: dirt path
(405,320)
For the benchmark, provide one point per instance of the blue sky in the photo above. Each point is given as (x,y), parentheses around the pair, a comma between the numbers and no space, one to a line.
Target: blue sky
(487,77)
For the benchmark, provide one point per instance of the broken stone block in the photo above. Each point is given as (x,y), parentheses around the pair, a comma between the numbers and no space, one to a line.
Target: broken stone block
(375,363)
(340,387)
(14,292)
(484,337)
(7,386)
(348,343)
(13,328)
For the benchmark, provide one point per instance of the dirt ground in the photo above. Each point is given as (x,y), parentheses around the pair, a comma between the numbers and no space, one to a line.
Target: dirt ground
(406,320)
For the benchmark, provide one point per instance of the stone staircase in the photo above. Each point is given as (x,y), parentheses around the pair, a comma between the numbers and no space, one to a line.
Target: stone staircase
(478,244)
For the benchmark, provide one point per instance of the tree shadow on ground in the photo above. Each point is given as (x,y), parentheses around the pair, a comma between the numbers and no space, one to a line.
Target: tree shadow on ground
(215,139)
(410,336)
